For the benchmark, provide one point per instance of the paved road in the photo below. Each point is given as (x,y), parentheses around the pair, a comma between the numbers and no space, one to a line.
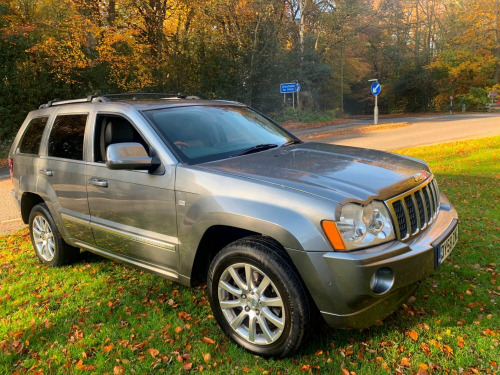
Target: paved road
(10,220)
(435,119)
(424,130)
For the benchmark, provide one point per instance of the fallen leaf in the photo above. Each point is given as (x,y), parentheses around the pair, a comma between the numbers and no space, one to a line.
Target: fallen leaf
(318,352)
(187,366)
(208,340)
(108,348)
(413,334)
(448,349)
(118,370)
(207,357)
(153,352)
(405,362)
(246,369)
(80,366)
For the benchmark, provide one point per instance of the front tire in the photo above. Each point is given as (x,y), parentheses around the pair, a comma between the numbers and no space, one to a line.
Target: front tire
(49,246)
(258,298)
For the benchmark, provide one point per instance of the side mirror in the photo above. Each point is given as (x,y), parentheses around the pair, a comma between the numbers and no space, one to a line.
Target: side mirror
(129,155)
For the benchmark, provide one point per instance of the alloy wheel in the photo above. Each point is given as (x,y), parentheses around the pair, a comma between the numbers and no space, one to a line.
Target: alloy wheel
(251,304)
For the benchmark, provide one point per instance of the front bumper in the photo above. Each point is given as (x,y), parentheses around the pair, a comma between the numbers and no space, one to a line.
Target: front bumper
(345,289)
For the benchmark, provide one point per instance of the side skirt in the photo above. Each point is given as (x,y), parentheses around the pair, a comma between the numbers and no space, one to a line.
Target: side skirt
(160,271)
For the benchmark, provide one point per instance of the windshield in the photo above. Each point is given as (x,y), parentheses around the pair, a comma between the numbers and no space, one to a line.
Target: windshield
(201,133)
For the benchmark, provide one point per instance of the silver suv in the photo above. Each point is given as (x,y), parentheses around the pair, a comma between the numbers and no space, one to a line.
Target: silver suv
(212,191)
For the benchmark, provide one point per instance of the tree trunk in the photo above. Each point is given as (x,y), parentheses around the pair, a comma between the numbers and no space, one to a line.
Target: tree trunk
(302,7)
(497,41)
(342,78)
(112,12)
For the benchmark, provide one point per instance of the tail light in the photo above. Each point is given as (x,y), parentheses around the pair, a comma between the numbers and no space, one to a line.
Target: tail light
(11,169)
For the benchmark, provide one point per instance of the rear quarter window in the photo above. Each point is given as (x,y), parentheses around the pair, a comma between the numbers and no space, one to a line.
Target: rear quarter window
(32,137)
(66,137)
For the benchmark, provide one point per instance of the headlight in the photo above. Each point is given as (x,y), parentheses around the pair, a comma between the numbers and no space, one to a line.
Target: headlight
(362,226)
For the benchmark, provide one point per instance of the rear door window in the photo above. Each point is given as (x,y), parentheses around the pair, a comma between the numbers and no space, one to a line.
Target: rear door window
(66,137)
(30,143)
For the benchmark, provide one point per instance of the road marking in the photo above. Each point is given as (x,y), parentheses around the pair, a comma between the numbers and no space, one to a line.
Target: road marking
(9,221)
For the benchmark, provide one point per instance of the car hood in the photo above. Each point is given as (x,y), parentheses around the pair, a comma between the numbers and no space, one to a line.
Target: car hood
(335,172)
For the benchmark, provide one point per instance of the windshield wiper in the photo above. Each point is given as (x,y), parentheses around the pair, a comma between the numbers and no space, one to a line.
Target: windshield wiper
(257,148)
(292,142)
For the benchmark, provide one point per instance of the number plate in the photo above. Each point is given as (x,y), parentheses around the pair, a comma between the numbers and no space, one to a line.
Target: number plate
(445,248)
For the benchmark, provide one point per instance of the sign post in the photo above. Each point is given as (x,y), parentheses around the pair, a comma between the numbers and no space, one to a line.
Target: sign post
(375,90)
(451,105)
(493,94)
(290,88)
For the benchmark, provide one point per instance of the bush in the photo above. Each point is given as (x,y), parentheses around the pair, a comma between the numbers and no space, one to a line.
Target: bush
(475,99)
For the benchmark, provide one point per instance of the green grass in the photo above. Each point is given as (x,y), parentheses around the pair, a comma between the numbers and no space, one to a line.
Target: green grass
(116,319)
(305,115)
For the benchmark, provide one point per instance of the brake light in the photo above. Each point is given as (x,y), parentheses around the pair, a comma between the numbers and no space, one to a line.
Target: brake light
(11,169)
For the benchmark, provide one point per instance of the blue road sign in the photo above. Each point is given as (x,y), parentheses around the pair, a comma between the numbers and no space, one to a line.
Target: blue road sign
(286,88)
(375,89)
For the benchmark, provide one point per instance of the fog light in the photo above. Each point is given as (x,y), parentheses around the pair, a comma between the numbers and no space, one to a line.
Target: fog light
(382,281)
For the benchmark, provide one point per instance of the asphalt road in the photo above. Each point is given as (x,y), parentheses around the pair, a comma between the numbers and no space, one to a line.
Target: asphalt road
(423,130)
(10,219)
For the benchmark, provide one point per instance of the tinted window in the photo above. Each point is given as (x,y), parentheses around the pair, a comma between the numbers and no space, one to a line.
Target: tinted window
(66,137)
(30,144)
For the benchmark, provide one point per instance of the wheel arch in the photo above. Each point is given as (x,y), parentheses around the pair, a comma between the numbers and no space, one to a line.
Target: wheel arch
(28,201)
(214,239)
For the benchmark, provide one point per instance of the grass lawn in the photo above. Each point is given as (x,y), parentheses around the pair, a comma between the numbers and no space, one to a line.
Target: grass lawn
(100,317)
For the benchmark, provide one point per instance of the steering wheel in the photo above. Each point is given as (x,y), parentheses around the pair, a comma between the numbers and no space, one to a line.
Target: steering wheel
(181,144)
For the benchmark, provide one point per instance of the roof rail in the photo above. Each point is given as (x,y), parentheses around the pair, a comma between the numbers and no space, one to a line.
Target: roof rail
(141,95)
(55,102)
(100,98)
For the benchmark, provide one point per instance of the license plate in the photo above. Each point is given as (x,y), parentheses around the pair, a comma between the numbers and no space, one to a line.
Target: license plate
(445,248)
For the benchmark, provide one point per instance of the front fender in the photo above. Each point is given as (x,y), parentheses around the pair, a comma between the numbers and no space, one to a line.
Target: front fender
(293,218)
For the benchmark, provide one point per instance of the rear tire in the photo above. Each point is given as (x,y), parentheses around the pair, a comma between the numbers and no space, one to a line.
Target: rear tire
(257,297)
(49,246)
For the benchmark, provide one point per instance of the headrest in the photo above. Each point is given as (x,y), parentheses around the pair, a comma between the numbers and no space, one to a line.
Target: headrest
(118,132)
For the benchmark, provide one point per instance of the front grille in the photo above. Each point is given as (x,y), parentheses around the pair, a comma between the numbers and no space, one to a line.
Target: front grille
(400,217)
(414,210)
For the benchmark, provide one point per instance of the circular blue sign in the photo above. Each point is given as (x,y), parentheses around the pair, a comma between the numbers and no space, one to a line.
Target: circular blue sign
(298,87)
(375,89)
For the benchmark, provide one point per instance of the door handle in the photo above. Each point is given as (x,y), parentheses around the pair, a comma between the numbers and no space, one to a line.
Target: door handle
(46,172)
(98,182)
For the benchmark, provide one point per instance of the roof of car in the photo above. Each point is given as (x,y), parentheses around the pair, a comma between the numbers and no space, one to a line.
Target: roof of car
(141,101)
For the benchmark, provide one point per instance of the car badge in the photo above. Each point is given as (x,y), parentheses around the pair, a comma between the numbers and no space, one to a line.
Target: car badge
(418,177)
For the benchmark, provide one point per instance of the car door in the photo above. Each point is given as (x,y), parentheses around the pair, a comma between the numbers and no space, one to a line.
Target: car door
(61,176)
(132,212)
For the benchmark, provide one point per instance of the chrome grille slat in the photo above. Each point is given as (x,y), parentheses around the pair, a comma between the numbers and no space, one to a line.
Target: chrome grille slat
(428,204)
(421,210)
(436,190)
(431,202)
(434,198)
(414,210)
